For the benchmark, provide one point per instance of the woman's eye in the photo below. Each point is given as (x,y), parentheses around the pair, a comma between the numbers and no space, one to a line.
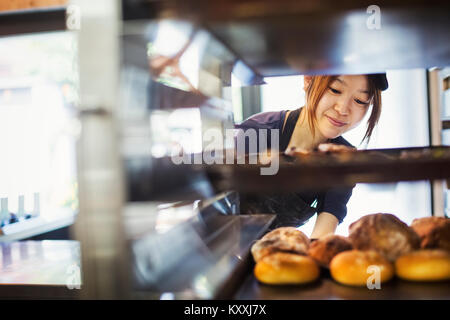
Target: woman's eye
(361,102)
(334,90)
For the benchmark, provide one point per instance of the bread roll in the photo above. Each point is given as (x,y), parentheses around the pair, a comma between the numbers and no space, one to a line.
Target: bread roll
(324,249)
(434,232)
(285,239)
(354,267)
(286,268)
(424,265)
(384,233)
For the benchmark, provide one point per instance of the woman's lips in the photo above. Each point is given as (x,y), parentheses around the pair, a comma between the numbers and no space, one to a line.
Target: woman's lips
(335,122)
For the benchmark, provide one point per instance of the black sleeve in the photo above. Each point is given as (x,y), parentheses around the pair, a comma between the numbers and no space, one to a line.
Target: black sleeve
(335,200)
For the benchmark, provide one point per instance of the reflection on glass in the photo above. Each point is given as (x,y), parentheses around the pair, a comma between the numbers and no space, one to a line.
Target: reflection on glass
(176,131)
(174,62)
(39,262)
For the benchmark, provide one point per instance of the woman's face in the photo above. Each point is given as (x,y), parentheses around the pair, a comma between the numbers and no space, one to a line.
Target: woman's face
(343,105)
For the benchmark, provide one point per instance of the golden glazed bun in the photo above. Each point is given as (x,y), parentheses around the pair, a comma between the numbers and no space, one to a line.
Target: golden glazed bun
(384,233)
(324,249)
(286,268)
(434,232)
(424,265)
(285,239)
(354,267)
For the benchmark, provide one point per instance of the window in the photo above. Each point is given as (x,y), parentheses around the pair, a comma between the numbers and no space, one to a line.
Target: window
(38,128)
(282,93)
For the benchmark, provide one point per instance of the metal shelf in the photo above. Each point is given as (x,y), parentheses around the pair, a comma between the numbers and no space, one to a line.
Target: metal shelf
(446,124)
(327,288)
(34,226)
(322,171)
(32,21)
(330,37)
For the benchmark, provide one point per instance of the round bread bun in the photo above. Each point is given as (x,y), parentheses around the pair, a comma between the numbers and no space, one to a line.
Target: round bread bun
(424,265)
(384,233)
(353,267)
(324,249)
(434,232)
(286,268)
(284,239)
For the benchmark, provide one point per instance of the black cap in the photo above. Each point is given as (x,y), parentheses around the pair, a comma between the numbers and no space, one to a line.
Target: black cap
(380,80)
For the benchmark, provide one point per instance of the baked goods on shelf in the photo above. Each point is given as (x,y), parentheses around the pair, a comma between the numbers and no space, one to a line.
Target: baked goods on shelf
(324,249)
(434,232)
(424,265)
(284,239)
(356,267)
(281,258)
(286,268)
(379,247)
(384,233)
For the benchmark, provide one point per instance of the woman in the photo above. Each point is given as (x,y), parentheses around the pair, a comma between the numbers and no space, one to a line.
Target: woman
(334,105)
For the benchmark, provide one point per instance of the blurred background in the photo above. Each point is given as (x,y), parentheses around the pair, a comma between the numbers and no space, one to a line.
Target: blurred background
(96,97)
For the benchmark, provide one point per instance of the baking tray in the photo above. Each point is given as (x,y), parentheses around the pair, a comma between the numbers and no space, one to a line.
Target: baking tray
(328,289)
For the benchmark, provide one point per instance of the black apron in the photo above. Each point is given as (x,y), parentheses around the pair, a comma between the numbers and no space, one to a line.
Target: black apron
(291,208)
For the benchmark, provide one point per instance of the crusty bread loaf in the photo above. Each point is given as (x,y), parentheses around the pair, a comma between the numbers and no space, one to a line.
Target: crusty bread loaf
(324,249)
(353,267)
(284,239)
(384,233)
(424,265)
(434,232)
(286,268)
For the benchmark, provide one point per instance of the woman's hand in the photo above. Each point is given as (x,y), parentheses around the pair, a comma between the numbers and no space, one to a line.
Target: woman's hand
(296,151)
(324,147)
(326,223)
(331,147)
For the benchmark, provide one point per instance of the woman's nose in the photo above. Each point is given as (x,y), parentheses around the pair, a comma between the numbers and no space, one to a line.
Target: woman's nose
(343,107)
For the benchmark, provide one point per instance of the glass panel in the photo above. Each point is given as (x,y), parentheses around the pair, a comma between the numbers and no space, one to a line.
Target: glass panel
(38,126)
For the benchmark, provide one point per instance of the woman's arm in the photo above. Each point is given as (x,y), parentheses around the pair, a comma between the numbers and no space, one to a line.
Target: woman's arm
(325,223)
